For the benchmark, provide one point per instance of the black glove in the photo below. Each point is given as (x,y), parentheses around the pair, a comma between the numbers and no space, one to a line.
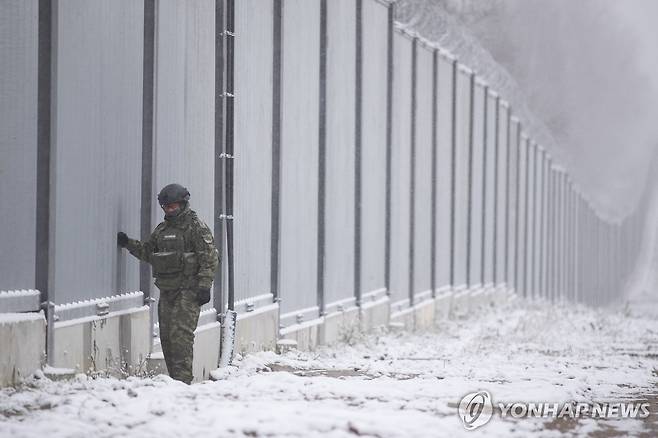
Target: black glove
(203,296)
(122,239)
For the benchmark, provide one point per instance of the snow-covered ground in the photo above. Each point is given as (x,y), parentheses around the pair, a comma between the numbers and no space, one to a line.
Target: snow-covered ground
(386,385)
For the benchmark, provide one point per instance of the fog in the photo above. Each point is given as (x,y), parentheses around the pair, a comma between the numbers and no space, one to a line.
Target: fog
(581,73)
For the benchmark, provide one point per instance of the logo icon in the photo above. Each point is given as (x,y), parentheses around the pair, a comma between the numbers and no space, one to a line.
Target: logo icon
(476,409)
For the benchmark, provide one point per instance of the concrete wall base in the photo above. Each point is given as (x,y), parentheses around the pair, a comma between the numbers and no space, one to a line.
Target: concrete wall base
(206,350)
(22,345)
(460,305)
(342,326)
(135,340)
(117,343)
(375,315)
(405,318)
(307,334)
(442,305)
(257,331)
(478,299)
(424,315)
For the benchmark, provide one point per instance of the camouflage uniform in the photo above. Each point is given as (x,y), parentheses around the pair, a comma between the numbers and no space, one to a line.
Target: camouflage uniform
(182,253)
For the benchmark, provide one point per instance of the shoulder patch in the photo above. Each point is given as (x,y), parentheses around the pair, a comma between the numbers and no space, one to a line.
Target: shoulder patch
(202,230)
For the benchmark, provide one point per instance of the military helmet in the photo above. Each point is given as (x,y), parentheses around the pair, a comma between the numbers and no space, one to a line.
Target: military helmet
(173,193)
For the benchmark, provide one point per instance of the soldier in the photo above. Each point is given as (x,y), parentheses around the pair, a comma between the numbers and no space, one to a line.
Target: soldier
(183,256)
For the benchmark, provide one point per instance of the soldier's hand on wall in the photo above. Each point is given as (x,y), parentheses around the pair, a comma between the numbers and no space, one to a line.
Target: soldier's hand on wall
(203,296)
(122,239)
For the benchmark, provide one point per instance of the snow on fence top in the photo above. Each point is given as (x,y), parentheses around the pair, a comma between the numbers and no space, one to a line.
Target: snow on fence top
(99,306)
(24,300)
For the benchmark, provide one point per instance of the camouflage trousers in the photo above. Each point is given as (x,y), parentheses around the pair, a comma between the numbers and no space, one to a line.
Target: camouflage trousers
(178,313)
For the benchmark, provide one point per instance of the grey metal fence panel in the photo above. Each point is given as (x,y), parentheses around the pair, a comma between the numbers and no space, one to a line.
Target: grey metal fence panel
(253,147)
(476,190)
(401,177)
(490,193)
(340,157)
(299,157)
(551,231)
(97,148)
(461,178)
(444,172)
(552,240)
(545,219)
(18,142)
(531,215)
(423,173)
(538,219)
(184,131)
(502,200)
(373,146)
(521,243)
(513,193)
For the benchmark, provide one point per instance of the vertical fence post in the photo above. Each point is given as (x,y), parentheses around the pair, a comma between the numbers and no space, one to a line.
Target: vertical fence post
(230,99)
(358,144)
(219,298)
(147,156)
(550,208)
(435,85)
(572,242)
(469,202)
(535,218)
(483,203)
(147,139)
(565,237)
(389,144)
(322,160)
(275,231)
(412,170)
(517,214)
(563,256)
(555,217)
(526,214)
(45,96)
(507,277)
(230,317)
(453,173)
(542,226)
(495,200)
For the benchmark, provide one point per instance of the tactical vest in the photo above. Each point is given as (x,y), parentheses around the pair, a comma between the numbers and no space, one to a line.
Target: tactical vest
(175,265)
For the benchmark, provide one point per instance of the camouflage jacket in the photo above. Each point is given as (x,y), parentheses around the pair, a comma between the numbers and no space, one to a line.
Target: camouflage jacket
(181,251)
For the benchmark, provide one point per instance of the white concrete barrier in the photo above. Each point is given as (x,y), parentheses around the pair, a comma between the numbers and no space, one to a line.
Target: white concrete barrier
(22,345)
(257,330)
(118,342)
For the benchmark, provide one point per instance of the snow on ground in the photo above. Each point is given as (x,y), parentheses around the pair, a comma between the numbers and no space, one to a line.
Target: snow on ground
(386,385)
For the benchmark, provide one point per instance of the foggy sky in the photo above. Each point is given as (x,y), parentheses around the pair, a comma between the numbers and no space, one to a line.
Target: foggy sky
(586,70)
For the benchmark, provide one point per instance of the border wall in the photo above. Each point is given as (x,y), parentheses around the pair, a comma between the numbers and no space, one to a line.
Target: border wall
(377,179)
